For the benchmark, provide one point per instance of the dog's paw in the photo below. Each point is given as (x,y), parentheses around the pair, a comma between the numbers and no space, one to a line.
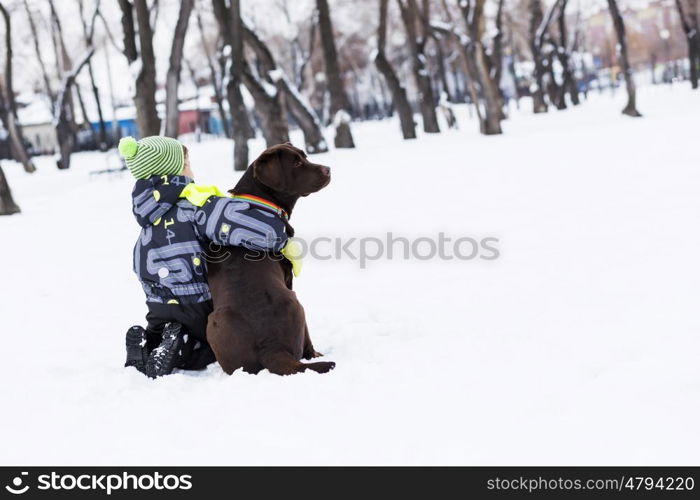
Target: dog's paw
(322,367)
(312,354)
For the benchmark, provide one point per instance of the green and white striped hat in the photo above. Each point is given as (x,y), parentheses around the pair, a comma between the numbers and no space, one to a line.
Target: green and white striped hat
(154,155)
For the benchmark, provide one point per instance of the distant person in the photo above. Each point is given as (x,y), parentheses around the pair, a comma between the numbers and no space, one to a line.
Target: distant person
(179,219)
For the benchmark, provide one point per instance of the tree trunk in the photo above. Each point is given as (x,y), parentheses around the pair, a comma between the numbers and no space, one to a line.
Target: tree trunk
(693,40)
(631,107)
(40,59)
(64,119)
(145,97)
(511,62)
(340,104)
(556,92)
(86,120)
(492,112)
(569,82)
(9,114)
(215,78)
(103,144)
(301,71)
(269,107)
(497,57)
(172,81)
(695,24)
(536,16)
(438,38)
(298,107)
(416,44)
(304,115)
(68,138)
(468,58)
(88,32)
(7,204)
(231,29)
(398,92)
(442,68)
(129,31)
(242,127)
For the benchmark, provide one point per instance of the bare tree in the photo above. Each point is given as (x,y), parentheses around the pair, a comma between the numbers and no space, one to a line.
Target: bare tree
(410,15)
(296,104)
(116,130)
(513,57)
(480,80)
(564,56)
(689,21)
(269,107)
(40,59)
(497,54)
(300,56)
(398,92)
(142,62)
(467,57)
(475,21)
(8,113)
(340,104)
(215,77)
(548,51)
(88,33)
(63,66)
(631,107)
(63,117)
(268,99)
(7,203)
(145,100)
(172,81)
(441,60)
(536,20)
(231,29)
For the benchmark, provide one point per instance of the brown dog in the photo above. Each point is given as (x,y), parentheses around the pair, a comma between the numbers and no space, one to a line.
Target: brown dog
(257,320)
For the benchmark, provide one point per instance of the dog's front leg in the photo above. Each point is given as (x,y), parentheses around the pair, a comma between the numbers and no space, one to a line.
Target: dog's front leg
(309,351)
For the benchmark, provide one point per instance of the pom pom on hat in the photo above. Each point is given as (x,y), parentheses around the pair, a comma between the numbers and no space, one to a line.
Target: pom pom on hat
(128,147)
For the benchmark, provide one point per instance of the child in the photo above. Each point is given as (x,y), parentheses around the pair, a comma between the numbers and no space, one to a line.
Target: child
(179,221)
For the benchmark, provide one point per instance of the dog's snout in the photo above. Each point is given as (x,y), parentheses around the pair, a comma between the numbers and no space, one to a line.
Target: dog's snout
(326,171)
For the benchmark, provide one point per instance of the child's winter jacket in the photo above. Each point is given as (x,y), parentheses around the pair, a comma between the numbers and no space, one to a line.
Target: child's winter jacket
(170,254)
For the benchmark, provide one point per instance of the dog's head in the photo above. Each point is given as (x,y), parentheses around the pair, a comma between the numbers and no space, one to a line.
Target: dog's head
(287,171)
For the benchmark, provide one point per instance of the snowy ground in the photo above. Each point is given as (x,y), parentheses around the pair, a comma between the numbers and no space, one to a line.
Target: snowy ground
(579,345)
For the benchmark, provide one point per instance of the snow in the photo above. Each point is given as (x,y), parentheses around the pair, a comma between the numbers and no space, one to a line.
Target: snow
(269,89)
(578,345)
(441,25)
(36,112)
(275,75)
(341,117)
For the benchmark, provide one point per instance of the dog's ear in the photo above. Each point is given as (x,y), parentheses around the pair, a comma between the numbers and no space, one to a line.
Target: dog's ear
(268,170)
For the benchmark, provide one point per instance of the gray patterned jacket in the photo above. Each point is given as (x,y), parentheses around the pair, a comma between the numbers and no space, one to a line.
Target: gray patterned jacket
(170,256)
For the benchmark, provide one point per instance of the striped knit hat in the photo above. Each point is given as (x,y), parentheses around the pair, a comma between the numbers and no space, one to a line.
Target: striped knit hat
(154,155)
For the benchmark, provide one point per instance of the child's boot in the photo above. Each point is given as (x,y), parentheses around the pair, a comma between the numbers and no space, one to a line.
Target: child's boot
(136,350)
(162,360)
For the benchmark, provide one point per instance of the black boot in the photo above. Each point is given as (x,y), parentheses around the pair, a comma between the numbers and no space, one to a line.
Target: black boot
(196,355)
(163,358)
(136,350)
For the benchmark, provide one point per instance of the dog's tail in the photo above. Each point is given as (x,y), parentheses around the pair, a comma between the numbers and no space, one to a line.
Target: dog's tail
(283,363)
